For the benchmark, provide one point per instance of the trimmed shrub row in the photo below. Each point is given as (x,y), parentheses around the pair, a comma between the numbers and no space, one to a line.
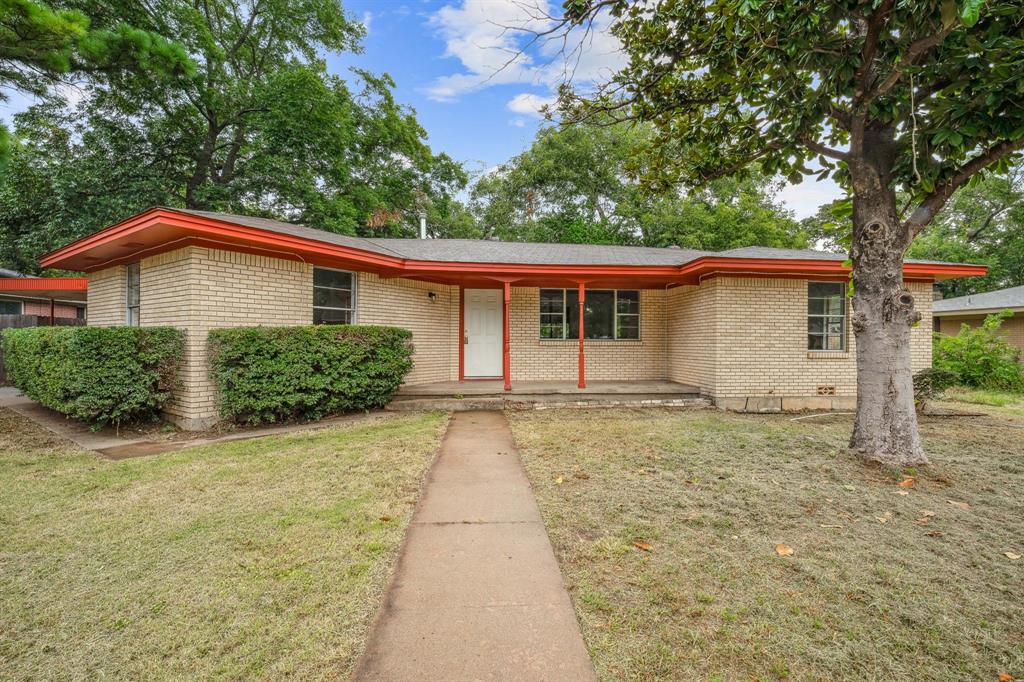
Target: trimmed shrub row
(980,357)
(99,375)
(273,374)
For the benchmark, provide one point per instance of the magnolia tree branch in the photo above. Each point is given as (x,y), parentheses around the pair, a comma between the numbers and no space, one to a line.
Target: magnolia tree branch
(934,202)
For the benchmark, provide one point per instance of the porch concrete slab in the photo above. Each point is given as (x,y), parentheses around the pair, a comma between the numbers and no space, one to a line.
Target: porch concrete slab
(477,593)
(478,388)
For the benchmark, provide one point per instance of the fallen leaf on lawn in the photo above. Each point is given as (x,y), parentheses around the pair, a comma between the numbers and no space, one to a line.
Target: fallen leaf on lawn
(1005,677)
(884,519)
(935,533)
(959,505)
(902,492)
(385,519)
(830,525)
(582,475)
(927,512)
(1011,556)
(640,544)
(907,482)
(558,480)
(783,550)
(849,487)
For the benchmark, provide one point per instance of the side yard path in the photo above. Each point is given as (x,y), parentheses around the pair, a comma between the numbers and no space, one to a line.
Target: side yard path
(477,593)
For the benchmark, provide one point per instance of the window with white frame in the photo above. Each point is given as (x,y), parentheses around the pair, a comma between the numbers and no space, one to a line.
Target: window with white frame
(826,316)
(133,278)
(334,296)
(609,314)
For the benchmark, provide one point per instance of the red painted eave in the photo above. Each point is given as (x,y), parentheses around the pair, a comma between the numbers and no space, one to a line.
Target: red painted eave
(64,288)
(159,230)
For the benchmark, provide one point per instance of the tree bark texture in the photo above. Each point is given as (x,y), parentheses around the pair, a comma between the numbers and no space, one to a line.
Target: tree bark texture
(885,429)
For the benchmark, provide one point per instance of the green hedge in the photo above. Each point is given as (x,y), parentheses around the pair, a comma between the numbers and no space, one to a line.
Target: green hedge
(99,375)
(980,357)
(272,374)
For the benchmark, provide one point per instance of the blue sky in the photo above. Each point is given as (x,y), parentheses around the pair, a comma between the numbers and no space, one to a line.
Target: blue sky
(445,57)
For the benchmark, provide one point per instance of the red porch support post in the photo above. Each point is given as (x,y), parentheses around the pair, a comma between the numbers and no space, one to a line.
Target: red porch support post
(583,362)
(506,360)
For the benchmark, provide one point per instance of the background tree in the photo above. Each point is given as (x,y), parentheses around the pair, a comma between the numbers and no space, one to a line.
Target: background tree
(982,223)
(261,128)
(916,96)
(576,184)
(40,43)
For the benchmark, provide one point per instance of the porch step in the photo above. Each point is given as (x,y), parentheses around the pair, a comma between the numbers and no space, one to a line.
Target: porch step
(523,401)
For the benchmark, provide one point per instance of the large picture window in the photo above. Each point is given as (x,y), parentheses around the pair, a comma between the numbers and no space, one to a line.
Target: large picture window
(334,297)
(133,278)
(826,316)
(607,314)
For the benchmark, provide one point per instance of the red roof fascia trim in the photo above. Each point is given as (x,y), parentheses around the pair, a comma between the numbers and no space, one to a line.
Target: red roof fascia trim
(213,228)
(44,284)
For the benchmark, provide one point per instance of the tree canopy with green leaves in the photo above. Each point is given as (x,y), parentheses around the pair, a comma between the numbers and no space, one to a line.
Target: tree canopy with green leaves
(575,184)
(884,96)
(41,43)
(260,128)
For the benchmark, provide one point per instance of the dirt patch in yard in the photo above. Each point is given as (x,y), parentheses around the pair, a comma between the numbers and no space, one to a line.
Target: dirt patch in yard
(674,529)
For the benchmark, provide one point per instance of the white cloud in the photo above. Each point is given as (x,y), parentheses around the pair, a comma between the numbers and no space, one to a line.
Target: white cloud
(366,20)
(529,104)
(518,122)
(497,43)
(805,198)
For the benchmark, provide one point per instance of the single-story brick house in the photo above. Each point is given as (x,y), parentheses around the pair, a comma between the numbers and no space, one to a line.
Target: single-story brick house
(972,310)
(751,323)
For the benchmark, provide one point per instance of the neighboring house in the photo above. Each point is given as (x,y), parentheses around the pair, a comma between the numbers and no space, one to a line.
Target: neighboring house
(972,310)
(63,298)
(770,325)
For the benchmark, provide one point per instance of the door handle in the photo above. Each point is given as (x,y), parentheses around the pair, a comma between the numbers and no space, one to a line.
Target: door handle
(465,340)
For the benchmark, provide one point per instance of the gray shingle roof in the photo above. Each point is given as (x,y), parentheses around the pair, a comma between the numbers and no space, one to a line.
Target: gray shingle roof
(991,300)
(525,253)
(4,272)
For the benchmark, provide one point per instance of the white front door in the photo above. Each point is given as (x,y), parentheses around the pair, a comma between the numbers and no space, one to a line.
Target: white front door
(483,333)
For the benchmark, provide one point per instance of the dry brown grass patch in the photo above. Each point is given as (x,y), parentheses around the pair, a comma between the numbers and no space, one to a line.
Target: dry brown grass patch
(885,582)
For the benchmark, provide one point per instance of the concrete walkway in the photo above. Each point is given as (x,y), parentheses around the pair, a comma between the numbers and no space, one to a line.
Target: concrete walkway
(477,593)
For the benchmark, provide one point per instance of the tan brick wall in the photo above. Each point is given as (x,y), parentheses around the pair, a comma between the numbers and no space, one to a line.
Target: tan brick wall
(741,337)
(1012,329)
(691,344)
(434,324)
(107,297)
(198,289)
(536,360)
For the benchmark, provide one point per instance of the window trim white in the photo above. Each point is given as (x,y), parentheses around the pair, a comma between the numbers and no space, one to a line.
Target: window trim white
(354,291)
(844,334)
(615,311)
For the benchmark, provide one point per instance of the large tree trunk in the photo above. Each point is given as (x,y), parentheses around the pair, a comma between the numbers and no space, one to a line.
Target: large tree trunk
(883,314)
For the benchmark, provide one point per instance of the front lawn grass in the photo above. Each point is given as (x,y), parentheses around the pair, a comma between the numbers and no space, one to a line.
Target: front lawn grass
(666,525)
(251,559)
